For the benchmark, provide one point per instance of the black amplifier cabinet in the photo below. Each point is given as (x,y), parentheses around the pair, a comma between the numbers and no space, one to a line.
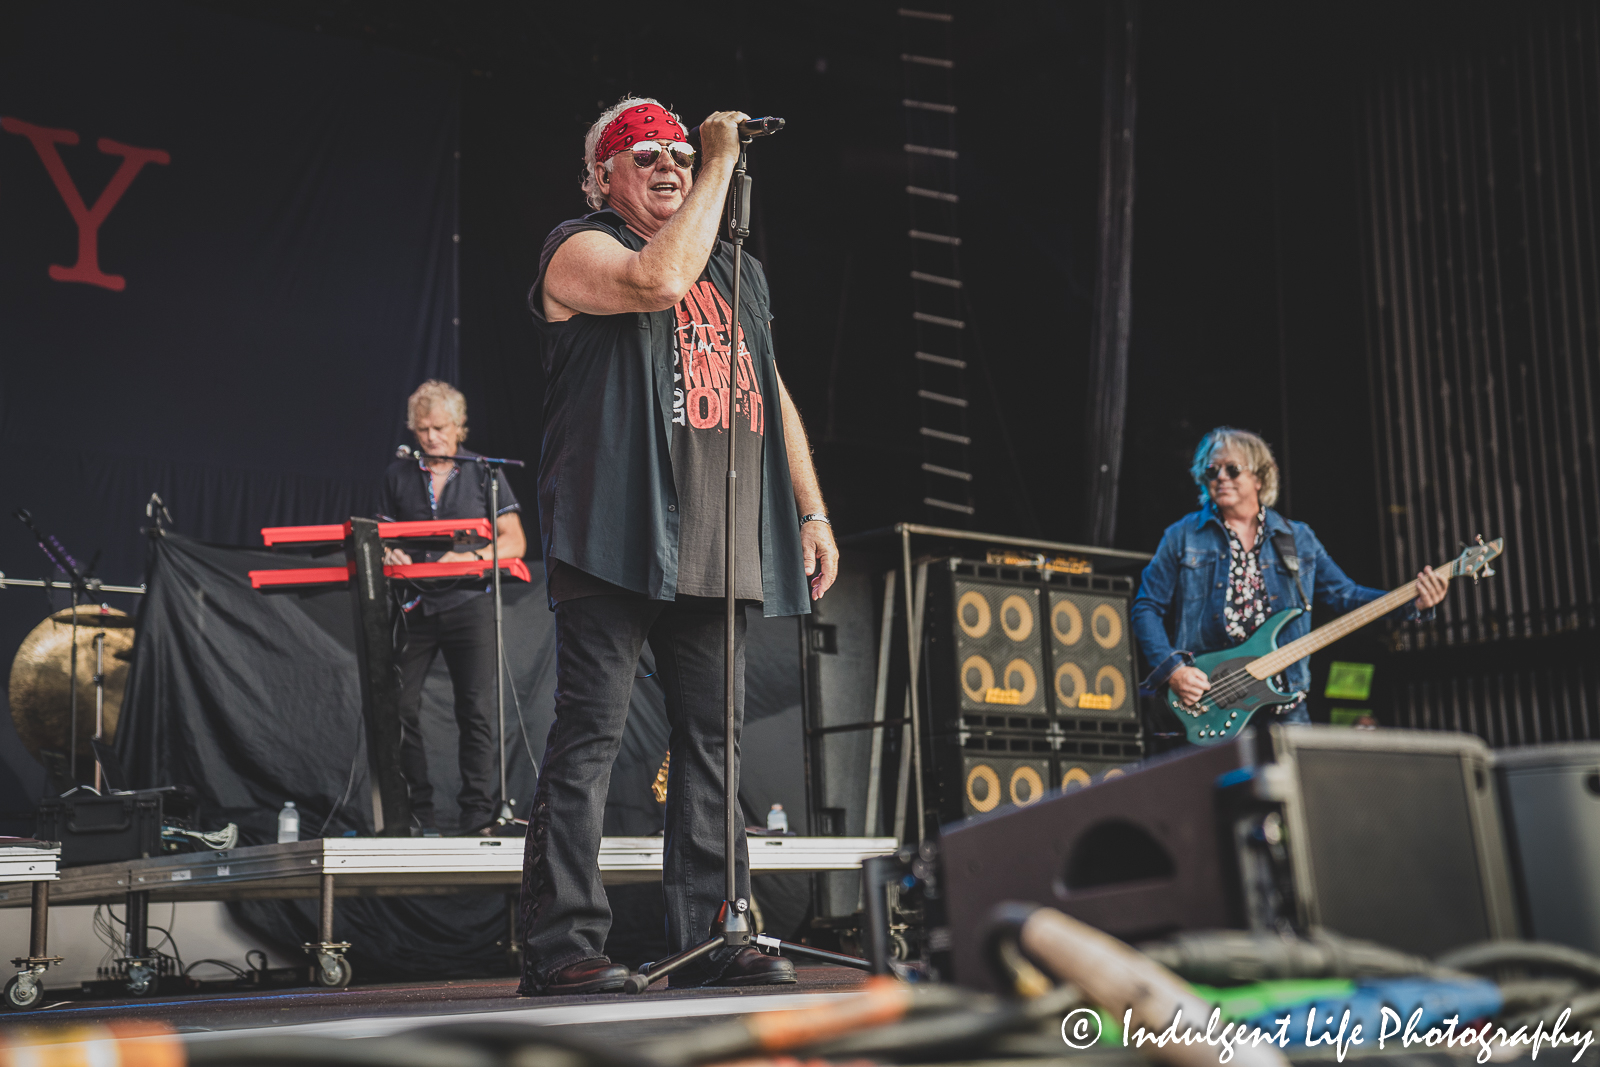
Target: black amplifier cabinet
(1019,648)
(115,827)
(979,771)
(984,646)
(1090,649)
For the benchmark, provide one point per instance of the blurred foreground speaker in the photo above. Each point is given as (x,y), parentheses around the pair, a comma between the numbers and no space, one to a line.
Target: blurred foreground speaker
(1393,836)
(1551,798)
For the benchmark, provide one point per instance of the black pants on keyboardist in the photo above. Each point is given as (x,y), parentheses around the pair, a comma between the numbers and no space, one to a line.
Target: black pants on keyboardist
(464,634)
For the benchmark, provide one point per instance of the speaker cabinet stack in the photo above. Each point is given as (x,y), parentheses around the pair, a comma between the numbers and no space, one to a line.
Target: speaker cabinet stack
(1030,684)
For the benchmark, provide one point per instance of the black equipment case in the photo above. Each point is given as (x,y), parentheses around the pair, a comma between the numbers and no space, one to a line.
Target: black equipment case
(115,827)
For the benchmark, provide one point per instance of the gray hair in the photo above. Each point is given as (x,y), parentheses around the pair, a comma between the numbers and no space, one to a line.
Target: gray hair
(435,393)
(591,187)
(1256,452)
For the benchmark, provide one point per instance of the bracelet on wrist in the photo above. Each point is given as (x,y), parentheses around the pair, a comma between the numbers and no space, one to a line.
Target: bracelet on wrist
(815,517)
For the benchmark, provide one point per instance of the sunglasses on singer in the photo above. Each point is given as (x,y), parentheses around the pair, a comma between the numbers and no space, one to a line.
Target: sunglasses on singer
(645,153)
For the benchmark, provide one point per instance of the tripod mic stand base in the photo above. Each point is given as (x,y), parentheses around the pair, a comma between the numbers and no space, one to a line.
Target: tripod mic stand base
(772,946)
(732,929)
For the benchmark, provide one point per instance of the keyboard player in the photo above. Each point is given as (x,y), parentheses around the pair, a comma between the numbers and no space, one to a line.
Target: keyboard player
(455,618)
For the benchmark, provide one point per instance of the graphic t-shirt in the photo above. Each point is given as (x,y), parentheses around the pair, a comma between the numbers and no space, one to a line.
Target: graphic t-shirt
(611,469)
(706,384)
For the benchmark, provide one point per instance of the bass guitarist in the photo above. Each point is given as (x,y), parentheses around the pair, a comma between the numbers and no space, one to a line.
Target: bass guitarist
(1223,570)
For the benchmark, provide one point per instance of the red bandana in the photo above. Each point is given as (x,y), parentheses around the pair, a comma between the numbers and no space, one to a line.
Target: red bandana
(646,122)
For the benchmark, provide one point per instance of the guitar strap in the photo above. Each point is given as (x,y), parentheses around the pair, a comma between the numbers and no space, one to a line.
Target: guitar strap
(1283,541)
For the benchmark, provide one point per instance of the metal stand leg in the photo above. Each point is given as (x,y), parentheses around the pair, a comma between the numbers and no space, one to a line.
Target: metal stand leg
(139,966)
(773,946)
(331,970)
(26,988)
(876,874)
(39,936)
(513,942)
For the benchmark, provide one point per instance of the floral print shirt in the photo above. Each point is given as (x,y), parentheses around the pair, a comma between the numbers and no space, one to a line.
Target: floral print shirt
(1246,606)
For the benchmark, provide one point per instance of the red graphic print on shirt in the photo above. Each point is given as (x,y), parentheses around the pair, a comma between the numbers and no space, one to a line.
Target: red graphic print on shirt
(700,373)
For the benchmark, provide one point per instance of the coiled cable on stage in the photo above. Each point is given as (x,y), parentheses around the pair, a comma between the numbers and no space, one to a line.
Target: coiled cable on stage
(1220,957)
(1523,971)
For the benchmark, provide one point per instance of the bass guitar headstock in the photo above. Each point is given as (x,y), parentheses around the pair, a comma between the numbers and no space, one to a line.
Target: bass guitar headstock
(1474,559)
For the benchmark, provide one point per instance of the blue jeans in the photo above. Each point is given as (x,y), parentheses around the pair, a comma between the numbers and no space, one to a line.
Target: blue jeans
(563,915)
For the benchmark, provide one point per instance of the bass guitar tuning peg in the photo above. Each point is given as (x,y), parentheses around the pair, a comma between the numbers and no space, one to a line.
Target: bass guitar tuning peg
(1480,539)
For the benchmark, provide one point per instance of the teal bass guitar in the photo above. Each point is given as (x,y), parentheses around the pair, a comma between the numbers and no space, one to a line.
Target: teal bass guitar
(1242,676)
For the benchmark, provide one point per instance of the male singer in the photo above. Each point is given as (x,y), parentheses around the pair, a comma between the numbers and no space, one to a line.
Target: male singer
(643,382)
(455,616)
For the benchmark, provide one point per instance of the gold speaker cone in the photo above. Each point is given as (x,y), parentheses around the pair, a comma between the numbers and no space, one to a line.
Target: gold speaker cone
(985,774)
(1115,772)
(1119,686)
(1074,631)
(1024,611)
(1107,614)
(1080,684)
(1029,777)
(1074,778)
(978,602)
(980,694)
(1030,681)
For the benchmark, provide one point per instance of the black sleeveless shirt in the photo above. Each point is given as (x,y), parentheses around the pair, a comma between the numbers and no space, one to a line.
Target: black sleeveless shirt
(634,439)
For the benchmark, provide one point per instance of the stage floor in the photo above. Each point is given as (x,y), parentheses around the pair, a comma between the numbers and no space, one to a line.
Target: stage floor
(378,1010)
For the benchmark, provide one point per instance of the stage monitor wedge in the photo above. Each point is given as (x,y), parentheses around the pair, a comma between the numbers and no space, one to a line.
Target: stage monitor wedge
(1396,836)
(1551,798)
(1393,836)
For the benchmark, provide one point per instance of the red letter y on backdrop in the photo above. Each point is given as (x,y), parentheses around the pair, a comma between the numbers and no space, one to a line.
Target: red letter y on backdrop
(88,219)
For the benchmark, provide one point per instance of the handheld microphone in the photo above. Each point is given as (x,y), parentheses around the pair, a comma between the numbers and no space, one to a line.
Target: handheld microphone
(761,127)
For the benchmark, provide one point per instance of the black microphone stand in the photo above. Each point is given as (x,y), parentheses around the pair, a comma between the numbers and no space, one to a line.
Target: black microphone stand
(82,585)
(732,926)
(491,467)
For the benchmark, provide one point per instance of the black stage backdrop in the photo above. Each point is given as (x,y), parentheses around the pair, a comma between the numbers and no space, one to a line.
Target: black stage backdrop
(272,279)
(253,698)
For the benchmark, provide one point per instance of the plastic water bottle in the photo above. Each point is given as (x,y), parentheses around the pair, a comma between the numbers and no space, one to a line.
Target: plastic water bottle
(288,824)
(777,820)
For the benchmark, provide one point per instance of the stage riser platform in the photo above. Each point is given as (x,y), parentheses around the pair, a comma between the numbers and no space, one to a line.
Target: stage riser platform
(404,866)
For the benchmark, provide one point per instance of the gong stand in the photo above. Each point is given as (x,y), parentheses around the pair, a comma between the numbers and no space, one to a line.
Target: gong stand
(81,585)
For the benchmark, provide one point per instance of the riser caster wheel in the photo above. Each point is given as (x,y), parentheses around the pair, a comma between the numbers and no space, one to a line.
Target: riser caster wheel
(23,992)
(334,973)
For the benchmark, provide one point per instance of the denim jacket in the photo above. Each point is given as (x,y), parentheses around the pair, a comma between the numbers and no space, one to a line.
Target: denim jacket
(1178,611)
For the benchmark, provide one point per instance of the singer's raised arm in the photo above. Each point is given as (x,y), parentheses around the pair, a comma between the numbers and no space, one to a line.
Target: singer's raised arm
(677,211)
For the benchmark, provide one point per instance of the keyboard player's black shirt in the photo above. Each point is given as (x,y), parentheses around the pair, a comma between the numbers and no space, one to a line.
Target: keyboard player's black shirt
(407,496)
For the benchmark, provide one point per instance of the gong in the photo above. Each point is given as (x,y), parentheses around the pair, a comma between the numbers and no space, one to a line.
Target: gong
(40,700)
